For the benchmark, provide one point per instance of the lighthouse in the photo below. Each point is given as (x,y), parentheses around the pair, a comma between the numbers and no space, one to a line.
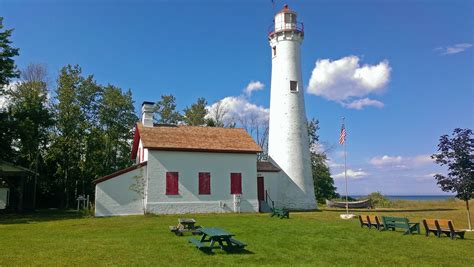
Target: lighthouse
(288,143)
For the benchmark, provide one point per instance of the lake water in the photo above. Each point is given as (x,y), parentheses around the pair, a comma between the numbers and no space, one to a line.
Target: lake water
(414,197)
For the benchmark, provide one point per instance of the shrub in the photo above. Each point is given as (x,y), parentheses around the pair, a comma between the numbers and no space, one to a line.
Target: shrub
(379,201)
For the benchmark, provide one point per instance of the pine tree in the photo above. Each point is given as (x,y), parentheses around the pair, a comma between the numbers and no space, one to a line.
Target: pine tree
(8,69)
(195,115)
(165,109)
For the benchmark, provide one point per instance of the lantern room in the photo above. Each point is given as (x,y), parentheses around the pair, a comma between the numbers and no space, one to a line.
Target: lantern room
(285,20)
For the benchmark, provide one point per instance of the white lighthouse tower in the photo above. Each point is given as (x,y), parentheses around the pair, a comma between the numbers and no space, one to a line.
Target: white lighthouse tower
(288,144)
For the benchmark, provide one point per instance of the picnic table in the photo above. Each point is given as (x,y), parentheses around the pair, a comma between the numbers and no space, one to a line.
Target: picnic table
(185,225)
(217,235)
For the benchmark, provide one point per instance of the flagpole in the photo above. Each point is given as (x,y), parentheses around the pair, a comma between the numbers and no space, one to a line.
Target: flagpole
(345,167)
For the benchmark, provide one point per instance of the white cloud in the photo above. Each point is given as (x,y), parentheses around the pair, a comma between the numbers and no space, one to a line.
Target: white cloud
(351,174)
(400,162)
(347,82)
(422,160)
(386,160)
(453,49)
(4,100)
(333,164)
(253,86)
(238,108)
(426,177)
(364,102)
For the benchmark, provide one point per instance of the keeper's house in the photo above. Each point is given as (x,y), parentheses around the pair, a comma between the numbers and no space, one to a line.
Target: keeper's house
(183,169)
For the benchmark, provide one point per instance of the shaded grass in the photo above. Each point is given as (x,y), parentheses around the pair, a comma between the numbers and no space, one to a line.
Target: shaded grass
(313,238)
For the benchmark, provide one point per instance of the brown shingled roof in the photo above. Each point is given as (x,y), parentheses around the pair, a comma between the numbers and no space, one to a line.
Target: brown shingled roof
(265,166)
(197,138)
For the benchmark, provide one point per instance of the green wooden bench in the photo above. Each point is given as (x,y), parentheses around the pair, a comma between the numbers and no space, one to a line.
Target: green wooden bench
(399,222)
(197,243)
(281,213)
(237,243)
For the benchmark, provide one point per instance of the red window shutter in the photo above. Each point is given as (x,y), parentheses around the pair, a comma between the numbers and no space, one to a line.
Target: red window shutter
(204,183)
(236,183)
(172,183)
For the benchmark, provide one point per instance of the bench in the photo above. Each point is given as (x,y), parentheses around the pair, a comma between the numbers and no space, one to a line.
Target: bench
(197,243)
(281,213)
(403,223)
(375,221)
(430,227)
(237,243)
(364,221)
(447,227)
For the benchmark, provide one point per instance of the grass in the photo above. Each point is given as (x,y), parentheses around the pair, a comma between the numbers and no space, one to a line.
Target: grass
(312,238)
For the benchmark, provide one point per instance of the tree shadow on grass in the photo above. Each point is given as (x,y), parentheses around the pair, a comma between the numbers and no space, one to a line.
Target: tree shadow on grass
(39,216)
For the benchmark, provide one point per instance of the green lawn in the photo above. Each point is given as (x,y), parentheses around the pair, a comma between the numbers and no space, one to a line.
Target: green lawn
(313,238)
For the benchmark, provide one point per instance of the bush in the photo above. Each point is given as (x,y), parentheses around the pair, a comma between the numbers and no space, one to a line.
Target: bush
(379,201)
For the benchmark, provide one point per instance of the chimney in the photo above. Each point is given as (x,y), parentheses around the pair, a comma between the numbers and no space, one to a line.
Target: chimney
(147,114)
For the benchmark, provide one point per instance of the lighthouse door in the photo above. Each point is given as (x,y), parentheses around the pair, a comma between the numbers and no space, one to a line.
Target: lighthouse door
(260,191)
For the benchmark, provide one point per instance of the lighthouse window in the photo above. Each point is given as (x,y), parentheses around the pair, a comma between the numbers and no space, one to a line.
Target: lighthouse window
(289,18)
(293,86)
(274,51)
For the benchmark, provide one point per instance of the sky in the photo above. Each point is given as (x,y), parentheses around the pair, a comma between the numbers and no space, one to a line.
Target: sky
(400,72)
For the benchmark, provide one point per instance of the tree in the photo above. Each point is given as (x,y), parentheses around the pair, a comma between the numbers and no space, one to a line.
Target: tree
(89,97)
(31,118)
(195,115)
(257,126)
(117,118)
(67,146)
(35,72)
(92,134)
(456,153)
(6,136)
(31,113)
(8,69)
(165,110)
(323,182)
(217,114)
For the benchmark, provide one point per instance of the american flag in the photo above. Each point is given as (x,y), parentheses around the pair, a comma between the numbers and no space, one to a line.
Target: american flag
(342,138)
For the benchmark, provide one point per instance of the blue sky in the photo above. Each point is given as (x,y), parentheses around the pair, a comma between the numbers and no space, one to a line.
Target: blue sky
(216,48)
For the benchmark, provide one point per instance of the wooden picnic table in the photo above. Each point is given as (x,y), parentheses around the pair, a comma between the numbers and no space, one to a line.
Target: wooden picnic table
(217,235)
(185,225)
